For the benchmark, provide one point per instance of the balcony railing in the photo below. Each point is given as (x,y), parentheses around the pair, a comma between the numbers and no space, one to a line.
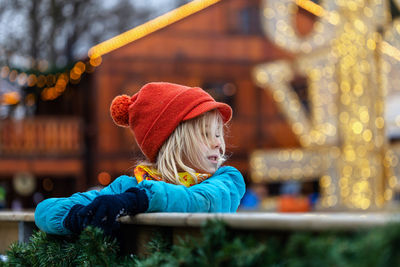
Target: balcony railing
(47,136)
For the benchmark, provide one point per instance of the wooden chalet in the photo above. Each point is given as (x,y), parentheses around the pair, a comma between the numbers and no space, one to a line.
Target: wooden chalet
(215,48)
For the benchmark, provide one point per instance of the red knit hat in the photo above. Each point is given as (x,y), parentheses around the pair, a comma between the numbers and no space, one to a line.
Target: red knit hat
(157,109)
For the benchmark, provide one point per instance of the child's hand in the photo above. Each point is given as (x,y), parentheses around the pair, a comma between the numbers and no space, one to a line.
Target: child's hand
(105,209)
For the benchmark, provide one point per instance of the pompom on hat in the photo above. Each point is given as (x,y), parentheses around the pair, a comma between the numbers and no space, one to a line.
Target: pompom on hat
(157,109)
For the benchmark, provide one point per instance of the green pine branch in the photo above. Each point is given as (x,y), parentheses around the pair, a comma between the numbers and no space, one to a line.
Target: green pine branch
(217,246)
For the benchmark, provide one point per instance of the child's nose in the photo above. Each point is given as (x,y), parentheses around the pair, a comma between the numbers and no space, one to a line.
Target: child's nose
(216,143)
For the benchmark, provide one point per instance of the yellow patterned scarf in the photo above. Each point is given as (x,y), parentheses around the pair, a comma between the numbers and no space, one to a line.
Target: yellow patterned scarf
(147,173)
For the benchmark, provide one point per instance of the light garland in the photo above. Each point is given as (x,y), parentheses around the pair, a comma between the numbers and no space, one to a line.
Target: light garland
(360,172)
(361,106)
(53,84)
(390,50)
(311,7)
(149,27)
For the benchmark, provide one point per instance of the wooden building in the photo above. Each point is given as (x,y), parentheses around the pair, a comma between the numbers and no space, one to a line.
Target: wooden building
(215,48)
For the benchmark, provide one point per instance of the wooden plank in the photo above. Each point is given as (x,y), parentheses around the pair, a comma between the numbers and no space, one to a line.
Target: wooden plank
(17,216)
(269,221)
(42,166)
(8,234)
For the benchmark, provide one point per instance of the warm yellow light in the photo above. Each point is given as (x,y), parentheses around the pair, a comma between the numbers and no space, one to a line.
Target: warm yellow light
(397,120)
(13,75)
(367,135)
(371,44)
(368,12)
(73,75)
(31,80)
(297,155)
(30,100)
(379,122)
(297,128)
(311,7)
(50,80)
(325,181)
(22,78)
(11,98)
(355,177)
(41,81)
(149,27)
(357,127)
(390,50)
(60,85)
(5,71)
(79,67)
(279,96)
(95,61)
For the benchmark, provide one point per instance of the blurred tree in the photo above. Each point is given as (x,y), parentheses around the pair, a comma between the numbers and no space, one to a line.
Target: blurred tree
(181,2)
(40,34)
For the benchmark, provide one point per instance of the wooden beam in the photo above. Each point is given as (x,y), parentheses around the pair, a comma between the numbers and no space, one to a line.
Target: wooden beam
(42,166)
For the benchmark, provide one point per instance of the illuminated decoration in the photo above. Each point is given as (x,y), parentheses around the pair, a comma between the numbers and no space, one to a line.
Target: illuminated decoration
(322,128)
(53,84)
(351,69)
(149,27)
(278,18)
(10,98)
(289,164)
(391,58)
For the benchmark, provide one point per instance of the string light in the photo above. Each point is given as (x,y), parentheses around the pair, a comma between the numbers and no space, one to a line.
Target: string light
(53,84)
(10,98)
(311,7)
(149,27)
(390,50)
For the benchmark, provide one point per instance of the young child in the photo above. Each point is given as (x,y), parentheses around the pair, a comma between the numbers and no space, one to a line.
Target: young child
(180,131)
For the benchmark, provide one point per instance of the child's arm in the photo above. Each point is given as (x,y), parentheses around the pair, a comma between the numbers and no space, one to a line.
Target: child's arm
(51,212)
(220,193)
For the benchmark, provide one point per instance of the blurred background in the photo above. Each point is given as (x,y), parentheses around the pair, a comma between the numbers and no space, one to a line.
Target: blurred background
(314,86)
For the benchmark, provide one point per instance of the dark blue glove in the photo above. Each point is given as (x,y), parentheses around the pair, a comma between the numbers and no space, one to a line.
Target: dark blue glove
(104,211)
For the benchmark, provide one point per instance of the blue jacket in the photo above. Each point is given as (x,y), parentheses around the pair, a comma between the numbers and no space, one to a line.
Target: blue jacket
(222,192)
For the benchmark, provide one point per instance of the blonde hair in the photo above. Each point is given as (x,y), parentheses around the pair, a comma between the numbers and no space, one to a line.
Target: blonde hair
(183,144)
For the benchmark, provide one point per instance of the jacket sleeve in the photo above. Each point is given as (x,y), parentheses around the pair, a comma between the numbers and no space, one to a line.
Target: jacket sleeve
(220,193)
(51,212)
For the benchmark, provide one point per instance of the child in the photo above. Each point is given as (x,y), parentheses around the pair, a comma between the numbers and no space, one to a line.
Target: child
(180,131)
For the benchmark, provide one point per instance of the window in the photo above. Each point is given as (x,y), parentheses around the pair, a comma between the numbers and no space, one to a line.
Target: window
(221,91)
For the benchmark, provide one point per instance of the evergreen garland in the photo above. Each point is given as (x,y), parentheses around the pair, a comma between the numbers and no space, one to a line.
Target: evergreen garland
(218,246)
(91,248)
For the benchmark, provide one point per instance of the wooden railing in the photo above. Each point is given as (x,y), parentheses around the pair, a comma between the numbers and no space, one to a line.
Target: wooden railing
(18,226)
(51,136)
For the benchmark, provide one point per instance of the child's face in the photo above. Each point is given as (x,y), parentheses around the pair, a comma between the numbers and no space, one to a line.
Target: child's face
(211,155)
(210,150)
